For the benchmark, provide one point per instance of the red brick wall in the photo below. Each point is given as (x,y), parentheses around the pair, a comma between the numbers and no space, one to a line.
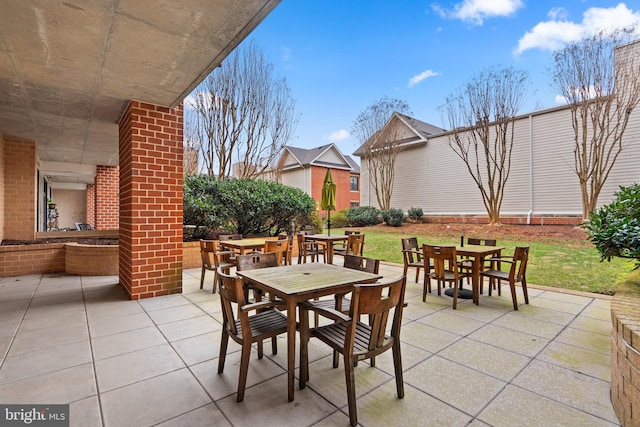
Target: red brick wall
(20,189)
(151,177)
(91,204)
(107,202)
(1,187)
(625,352)
(343,186)
(520,220)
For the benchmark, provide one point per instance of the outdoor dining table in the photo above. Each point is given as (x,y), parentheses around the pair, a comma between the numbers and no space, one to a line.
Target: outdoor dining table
(329,240)
(302,282)
(244,245)
(478,253)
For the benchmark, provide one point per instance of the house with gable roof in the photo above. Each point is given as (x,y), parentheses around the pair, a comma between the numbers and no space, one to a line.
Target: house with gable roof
(306,168)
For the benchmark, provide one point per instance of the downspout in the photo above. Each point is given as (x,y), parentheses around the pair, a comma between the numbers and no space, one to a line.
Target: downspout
(530,170)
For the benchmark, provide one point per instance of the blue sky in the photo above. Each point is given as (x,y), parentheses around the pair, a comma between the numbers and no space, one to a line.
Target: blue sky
(341,56)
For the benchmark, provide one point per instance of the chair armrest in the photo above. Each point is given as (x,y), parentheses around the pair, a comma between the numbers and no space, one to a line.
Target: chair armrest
(261,305)
(326,312)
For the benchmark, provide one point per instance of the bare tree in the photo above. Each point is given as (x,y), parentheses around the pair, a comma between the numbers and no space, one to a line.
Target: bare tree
(380,133)
(243,115)
(600,80)
(482,117)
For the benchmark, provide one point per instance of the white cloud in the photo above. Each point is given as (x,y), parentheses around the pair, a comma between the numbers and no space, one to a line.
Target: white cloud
(553,34)
(558,13)
(560,99)
(476,11)
(420,77)
(338,135)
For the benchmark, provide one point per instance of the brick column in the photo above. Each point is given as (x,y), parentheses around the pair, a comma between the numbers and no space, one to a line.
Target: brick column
(20,185)
(107,203)
(91,204)
(151,177)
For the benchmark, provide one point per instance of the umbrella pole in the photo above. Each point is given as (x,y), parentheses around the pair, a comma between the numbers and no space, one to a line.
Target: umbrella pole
(329,222)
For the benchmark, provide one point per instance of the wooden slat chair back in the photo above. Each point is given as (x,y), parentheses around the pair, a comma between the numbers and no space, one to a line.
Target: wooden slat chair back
(245,329)
(412,255)
(230,237)
(445,268)
(213,258)
(309,249)
(356,340)
(290,246)
(256,260)
(517,272)
(356,262)
(466,264)
(280,247)
(355,246)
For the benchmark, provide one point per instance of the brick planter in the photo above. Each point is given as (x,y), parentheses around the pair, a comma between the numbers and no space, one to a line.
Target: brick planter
(18,260)
(625,351)
(91,260)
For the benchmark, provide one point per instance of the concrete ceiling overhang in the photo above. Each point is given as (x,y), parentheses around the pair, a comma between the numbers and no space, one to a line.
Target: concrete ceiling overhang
(68,68)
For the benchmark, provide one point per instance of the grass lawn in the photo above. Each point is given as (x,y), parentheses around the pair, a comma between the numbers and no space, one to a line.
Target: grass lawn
(557,262)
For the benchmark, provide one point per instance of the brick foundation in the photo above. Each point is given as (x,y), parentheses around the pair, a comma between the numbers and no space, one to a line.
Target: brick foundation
(516,220)
(151,178)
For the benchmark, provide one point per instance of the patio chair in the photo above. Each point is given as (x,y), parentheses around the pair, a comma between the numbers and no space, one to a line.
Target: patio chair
(466,264)
(280,247)
(245,329)
(290,247)
(356,340)
(412,255)
(445,269)
(213,258)
(309,249)
(230,237)
(355,246)
(517,272)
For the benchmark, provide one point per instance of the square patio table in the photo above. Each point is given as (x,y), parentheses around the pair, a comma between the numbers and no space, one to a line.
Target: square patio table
(329,240)
(244,245)
(478,253)
(302,282)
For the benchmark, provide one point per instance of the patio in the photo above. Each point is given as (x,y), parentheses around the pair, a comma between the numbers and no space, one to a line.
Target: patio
(79,340)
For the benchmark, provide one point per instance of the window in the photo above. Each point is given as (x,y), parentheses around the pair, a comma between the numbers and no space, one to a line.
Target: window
(354,183)
(354,204)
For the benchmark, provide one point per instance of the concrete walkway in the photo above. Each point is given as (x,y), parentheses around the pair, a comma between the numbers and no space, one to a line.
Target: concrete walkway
(78,340)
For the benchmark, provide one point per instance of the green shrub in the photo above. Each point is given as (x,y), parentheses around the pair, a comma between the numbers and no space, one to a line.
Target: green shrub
(393,217)
(615,228)
(309,222)
(415,214)
(339,219)
(363,216)
(244,206)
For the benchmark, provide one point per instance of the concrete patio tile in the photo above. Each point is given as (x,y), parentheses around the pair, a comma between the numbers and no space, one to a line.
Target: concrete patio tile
(86,412)
(463,388)
(450,322)
(544,314)
(35,363)
(43,339)
(107,310)
(153,401)
(426,337)
(139,365)
(63,386)
(416,309)
(485,358)
(114,325)
(222,385)
(601,302)
(411,356)
(57,299)
(382,407)
(173,314)
(126,342)
(200,296)
(211,307)
(590,324)
(187,328)
(329,382)
(203,347)
(160,303)
(52,319)
(268,401)
(596,312)
(91,282)
(515,407)
(571,388)
(206,415)
(508,339)
(106,293)
(585,339)
(515,321)
(578,359)
(561,306)
(5,342)
(482,313)
(567,297)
